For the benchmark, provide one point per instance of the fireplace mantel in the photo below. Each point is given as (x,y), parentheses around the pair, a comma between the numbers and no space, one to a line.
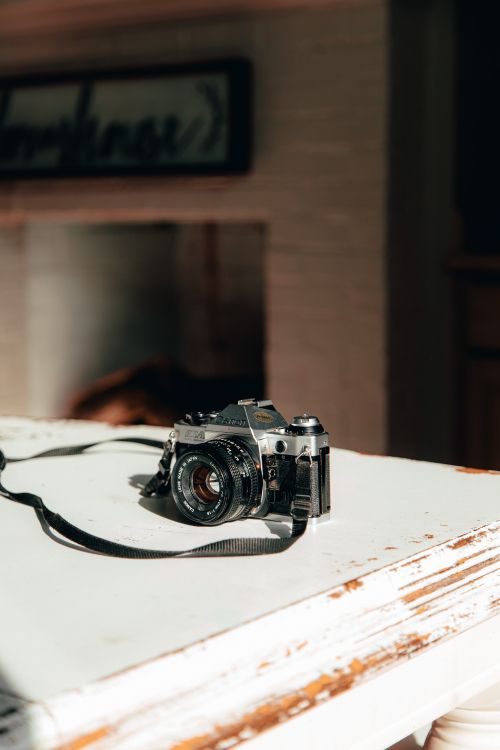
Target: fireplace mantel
(26,17)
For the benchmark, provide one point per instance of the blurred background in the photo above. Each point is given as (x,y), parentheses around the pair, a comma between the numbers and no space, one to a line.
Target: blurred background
(352,271)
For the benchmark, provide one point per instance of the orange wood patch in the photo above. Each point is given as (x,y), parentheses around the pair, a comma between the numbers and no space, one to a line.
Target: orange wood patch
(86,739)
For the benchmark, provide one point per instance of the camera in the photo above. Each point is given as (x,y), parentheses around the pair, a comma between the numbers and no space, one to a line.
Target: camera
(246,461)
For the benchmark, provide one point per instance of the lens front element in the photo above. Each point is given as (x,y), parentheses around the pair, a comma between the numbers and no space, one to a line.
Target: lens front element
(215,481)
(205,485)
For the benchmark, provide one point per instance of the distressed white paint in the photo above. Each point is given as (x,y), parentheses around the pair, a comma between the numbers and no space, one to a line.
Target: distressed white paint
(136,654)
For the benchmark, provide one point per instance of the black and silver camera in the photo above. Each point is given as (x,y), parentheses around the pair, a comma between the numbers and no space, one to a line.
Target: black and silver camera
(246,461)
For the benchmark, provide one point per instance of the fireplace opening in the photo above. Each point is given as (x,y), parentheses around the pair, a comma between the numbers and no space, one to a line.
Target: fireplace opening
(131,323)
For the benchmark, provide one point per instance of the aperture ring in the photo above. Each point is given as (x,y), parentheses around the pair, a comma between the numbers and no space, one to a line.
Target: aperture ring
(246,486)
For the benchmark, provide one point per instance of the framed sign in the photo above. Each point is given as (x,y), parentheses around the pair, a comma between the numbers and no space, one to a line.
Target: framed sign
(189,119)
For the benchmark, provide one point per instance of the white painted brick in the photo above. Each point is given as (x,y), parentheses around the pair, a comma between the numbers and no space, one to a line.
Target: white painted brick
(318,182)
(13,344)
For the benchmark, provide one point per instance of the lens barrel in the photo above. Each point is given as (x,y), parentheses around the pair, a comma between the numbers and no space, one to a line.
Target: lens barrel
(215,482)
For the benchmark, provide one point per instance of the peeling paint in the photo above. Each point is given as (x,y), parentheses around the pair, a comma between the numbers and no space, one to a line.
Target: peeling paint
(324,687)
(411,642)
(266,716)
(350,640)
(353,585)
(470,470)
(384,643)
(449,580)
(357,666)
(434,574)
(469,539)
(414,561)
(86,740)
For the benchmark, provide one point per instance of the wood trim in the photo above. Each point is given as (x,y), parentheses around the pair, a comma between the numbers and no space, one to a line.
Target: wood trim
(34,17)
(473,264)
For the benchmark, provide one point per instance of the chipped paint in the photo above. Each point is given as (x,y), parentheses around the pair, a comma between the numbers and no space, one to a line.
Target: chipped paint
(460,575)
(357,666)
(412,642)
(382,638)
(266,716)
(395,624)
(263,672)
(353,585)
(470,470)
(86,740)
(468,539)
(414,561)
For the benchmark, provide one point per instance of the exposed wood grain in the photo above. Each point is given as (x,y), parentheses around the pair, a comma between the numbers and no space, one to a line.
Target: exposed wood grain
(85,740)
(240,679)
(353,632)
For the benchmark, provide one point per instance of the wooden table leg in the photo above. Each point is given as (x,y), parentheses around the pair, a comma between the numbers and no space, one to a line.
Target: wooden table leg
(473,726)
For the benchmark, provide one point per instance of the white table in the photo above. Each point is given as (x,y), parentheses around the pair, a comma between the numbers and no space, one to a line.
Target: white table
(366,629)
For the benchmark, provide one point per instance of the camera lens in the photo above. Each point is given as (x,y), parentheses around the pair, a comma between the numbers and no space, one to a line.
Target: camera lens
(216,481)
(205,485)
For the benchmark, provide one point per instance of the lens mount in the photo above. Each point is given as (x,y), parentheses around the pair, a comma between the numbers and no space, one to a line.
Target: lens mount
(216,481)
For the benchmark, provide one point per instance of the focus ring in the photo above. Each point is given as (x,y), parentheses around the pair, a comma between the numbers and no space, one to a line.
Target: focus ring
(245,487)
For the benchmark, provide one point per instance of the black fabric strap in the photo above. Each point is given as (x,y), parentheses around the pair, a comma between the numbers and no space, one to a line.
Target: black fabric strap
(226,548)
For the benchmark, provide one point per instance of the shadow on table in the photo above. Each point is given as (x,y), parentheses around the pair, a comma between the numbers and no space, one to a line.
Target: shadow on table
(14,724)
(164,506)
(409,743)
(160,505)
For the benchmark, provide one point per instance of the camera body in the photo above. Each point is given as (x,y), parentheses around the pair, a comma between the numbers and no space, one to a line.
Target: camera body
(248,461)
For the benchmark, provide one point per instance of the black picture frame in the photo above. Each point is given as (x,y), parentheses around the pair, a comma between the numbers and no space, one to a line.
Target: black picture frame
(237,158)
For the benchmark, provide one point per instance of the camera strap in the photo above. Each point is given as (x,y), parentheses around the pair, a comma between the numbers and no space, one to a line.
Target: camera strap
(235,547)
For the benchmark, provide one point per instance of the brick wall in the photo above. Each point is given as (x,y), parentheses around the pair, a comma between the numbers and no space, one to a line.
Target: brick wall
(318,183)
(107,296)
(13,344)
